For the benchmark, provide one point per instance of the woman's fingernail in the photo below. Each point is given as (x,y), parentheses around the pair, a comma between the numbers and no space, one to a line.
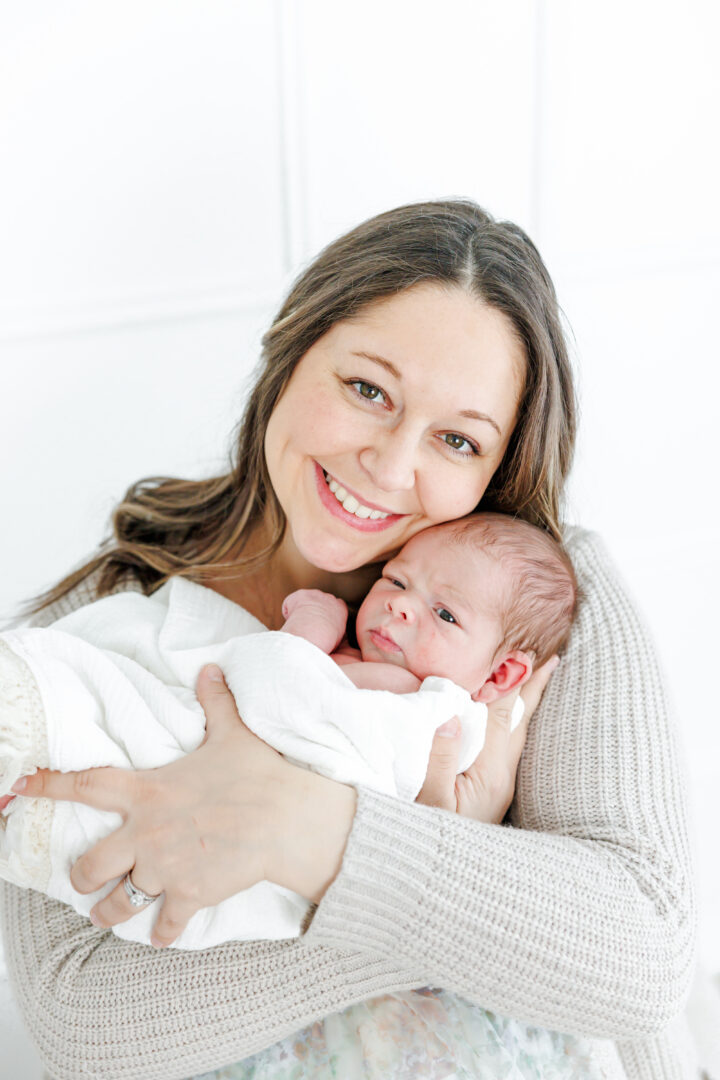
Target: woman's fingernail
(214,673)
(94,919)
(449,729)
(19,786)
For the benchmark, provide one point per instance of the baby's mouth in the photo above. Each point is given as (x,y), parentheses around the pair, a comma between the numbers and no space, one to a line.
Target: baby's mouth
(383,642)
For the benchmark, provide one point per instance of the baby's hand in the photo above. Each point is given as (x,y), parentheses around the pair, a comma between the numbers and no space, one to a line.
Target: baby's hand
(317,616)
(316,603)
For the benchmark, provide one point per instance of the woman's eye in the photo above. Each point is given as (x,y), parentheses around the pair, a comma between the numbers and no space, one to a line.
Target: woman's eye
(367,390)
(459,444)
(446,615)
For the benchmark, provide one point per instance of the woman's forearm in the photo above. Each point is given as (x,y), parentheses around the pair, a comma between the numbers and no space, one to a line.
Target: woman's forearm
(99,1007)
(318,816)
(574,935)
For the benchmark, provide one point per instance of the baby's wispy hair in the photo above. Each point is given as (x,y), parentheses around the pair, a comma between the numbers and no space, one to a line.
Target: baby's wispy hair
(541,598)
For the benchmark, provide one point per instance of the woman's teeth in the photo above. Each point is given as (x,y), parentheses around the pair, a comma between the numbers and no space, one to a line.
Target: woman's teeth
(350,503)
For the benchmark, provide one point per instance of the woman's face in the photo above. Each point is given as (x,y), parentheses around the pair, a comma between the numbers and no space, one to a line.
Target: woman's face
(393,421)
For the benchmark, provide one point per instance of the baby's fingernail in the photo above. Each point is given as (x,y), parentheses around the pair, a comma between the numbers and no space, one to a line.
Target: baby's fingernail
(449,729)
(214,673)
(19,786)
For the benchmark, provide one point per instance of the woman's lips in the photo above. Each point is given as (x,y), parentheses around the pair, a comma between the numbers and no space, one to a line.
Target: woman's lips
(337,510)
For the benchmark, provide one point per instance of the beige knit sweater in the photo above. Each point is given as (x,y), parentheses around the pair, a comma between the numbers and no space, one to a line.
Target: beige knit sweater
(577,916)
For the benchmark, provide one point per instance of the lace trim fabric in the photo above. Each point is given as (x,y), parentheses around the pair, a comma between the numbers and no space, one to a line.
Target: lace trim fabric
(26,823)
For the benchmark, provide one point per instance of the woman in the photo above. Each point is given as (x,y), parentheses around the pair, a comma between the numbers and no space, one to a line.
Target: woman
(420,362)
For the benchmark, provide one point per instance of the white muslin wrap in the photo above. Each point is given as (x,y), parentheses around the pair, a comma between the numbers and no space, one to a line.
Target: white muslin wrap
(112,684)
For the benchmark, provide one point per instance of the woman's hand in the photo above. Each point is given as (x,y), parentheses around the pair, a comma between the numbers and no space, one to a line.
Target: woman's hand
(214,822)
(486,789)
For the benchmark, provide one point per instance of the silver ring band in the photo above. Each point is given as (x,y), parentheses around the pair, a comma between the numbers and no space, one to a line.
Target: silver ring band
(138,898)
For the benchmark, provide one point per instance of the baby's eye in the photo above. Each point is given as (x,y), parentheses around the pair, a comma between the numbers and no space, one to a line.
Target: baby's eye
(459,444)
(367,390)
(446,615)
(394,581)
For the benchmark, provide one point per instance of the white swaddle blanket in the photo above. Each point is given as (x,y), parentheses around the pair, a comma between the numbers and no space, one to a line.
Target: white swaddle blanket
(112,684)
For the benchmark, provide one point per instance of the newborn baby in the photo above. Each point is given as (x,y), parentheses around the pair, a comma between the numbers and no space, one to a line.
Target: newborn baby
(484,620)
(458,619)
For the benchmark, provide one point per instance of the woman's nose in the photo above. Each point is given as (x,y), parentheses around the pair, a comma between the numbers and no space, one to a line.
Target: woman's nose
(401,607)
(391,462)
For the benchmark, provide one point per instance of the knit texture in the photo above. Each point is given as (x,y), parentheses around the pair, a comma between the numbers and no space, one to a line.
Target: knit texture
(578,914)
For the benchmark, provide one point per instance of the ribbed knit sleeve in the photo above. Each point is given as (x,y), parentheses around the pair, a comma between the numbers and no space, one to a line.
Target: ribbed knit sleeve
(577,915)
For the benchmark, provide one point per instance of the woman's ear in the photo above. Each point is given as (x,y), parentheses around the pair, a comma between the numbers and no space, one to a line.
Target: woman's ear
(509,672)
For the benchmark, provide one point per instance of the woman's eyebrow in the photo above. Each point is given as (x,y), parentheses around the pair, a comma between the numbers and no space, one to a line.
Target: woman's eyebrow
(380,360)
(472,415)
(469,414)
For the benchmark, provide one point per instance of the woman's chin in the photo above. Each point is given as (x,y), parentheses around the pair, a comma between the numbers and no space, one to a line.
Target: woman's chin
(338,558)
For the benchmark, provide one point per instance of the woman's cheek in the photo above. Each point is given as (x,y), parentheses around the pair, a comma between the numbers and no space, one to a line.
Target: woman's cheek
(451,497)
(334,425)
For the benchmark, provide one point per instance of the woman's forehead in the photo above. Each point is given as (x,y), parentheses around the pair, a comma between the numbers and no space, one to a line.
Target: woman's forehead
(440,342)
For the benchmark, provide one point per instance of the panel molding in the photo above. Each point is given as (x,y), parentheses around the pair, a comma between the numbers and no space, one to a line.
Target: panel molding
(291,129)
(125,312)
(598,266)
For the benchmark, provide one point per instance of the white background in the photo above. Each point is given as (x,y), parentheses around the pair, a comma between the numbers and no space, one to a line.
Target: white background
(167,166)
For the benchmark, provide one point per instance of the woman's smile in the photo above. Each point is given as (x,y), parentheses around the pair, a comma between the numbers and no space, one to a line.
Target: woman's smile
(349,506)
(392,421)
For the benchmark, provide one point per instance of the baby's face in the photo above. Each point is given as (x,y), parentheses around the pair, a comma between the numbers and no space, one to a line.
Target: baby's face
(435,611)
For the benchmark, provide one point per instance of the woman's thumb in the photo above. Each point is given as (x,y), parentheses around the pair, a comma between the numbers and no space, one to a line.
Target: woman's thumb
(439,786)
(221,715)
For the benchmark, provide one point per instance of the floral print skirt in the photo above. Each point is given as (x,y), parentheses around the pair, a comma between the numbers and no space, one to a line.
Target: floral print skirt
(423,1034)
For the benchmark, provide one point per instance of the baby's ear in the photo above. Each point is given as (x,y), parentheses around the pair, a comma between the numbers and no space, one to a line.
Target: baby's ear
(509,672)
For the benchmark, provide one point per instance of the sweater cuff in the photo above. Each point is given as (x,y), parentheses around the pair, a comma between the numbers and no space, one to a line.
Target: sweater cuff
(384,878)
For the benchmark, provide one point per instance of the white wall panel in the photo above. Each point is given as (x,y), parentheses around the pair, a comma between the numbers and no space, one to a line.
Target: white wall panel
(404,102)
(630,159)
(646,478)
(649,381)
(171,158)
(82,417)
(138,172)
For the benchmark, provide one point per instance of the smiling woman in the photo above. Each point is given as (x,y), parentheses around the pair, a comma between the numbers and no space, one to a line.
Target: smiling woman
(416,370)
(394,433)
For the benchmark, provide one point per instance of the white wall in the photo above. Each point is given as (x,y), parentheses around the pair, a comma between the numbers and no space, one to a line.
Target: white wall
(167,165)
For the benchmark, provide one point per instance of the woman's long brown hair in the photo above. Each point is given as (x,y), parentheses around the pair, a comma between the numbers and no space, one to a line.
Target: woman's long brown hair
(199,528)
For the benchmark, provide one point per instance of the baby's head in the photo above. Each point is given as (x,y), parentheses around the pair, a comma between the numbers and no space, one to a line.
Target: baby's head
(481,601)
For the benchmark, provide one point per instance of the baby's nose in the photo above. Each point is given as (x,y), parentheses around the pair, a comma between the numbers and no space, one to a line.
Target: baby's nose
(401,607)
